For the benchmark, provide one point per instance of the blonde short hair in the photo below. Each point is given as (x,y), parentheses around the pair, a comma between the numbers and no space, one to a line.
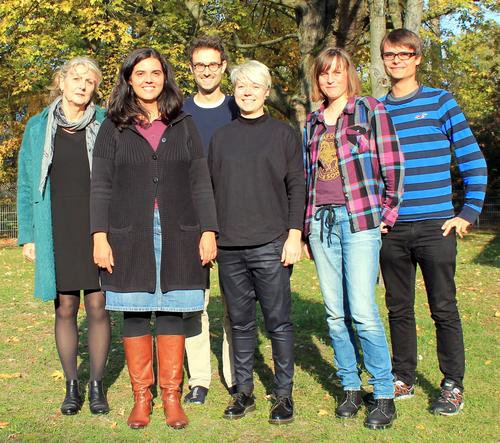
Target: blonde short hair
(63,71)
(323,62)
(254,71)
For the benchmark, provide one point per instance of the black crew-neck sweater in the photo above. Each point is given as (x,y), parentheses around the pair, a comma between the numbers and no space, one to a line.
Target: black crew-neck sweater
(258,179)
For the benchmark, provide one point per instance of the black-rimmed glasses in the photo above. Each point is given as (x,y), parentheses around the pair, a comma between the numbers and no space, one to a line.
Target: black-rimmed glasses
(404,55)
(213,67)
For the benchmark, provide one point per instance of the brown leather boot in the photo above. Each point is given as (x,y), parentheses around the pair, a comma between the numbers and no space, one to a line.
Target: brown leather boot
(170,350)
(139,356)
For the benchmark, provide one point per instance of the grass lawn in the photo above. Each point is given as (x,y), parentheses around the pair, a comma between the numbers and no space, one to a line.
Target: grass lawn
(31,389)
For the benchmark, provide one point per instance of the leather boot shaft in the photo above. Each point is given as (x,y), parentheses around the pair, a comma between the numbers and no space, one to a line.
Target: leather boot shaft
(139,357)
(170,349)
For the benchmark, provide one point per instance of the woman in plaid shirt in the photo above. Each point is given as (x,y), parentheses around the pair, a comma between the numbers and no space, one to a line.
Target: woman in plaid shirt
(354,174)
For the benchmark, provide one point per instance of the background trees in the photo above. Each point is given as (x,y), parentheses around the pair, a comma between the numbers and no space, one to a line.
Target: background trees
(37,35)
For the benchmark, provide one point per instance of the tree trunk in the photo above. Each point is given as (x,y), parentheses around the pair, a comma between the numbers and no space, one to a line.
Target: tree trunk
(413,15)
(377,32)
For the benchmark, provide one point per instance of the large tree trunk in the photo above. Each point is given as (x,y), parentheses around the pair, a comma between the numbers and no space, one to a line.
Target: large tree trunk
(377,32)
(413,15)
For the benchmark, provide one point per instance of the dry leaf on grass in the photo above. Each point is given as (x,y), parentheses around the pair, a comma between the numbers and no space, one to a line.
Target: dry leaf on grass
(13,375)
(488,362)
(12,340)
(322,412)
(113,425)
(57,375)
(4,424)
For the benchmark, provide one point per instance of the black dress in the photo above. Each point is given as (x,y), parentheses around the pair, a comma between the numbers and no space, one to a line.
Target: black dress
(70,195)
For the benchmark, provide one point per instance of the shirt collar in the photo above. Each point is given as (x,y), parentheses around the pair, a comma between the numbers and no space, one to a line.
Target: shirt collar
(318,116)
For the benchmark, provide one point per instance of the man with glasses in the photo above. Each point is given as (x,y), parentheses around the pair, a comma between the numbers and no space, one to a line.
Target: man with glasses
(210,109)
(429,124)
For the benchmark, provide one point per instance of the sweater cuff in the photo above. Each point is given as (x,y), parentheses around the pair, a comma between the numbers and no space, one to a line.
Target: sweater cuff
(469,214)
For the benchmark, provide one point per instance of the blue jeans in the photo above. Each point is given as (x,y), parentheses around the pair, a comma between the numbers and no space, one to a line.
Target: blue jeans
(347,265)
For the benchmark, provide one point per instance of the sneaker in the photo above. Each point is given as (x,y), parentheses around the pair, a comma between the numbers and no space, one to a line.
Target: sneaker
(403,391)
(239,406)
(196,395)
(450,400)
(350,404)
(381,415)
(281,410)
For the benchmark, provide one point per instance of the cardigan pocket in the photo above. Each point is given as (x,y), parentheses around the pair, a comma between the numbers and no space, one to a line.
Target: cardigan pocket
(190,227)
(123,230)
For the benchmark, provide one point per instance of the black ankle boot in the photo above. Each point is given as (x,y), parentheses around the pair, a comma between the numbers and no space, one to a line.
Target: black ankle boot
(97,398)
(350,404)
(73,401)
(381,414)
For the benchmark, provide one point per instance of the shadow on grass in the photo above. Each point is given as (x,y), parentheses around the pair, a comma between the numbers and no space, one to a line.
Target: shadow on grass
(490,254)
(429,389)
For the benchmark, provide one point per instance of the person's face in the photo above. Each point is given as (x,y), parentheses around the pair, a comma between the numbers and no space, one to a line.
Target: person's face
(333,81)
(78,86)
(207,68)
(147,80)
(398,69)
(250,97)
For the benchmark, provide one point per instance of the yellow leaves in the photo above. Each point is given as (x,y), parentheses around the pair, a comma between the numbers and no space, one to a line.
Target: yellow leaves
(497,314)
(113,425)
(57,375)
(12,339)
(323,413)
(488,362)
(4,424)
(5,376)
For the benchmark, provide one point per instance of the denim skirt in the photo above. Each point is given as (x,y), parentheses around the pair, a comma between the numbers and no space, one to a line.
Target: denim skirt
(189,300)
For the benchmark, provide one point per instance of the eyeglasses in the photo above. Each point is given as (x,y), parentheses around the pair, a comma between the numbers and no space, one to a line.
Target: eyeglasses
(403,56)
(200,67)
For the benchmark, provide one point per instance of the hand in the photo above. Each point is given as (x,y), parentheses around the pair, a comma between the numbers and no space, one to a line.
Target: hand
(384,228)
(460,225)
(208,247)
(29,251)
(103,255)
(292,248)
(306,250)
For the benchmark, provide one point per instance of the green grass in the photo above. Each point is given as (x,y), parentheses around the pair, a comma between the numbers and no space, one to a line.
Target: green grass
(29,403)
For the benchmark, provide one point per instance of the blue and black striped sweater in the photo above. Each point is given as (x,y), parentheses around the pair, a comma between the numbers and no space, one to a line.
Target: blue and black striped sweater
(430,124)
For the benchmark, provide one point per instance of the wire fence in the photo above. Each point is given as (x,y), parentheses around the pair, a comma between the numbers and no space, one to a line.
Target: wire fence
(489,218)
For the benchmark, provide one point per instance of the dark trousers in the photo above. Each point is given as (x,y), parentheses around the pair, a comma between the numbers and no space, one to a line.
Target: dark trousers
(422,242)
(247,275)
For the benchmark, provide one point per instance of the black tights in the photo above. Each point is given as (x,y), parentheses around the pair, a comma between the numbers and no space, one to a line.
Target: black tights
(66,331)
(137,324)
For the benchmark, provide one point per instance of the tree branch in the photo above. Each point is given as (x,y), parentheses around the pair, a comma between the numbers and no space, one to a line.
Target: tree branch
(265,43)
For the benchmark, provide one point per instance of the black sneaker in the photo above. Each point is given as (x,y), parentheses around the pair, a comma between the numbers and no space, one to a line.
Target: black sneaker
(239,406)
(381,414)
(450,400)
(350,404)
(281,410)
(196,395)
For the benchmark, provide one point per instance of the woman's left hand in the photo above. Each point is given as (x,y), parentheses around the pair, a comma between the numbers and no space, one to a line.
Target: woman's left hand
(292,249)
(208,247)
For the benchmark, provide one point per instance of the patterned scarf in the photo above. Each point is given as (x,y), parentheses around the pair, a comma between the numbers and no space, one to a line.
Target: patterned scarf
(57,118)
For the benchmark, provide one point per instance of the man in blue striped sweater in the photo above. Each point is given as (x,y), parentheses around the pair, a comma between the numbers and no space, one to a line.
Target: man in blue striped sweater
(430,125)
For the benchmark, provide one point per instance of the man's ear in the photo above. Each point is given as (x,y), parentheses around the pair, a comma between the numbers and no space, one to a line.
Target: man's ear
(224,66)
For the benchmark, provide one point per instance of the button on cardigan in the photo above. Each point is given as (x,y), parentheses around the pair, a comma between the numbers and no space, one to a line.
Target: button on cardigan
(127,177)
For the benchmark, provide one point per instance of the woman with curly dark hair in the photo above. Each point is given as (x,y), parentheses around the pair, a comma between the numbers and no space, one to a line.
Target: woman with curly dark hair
(153,222)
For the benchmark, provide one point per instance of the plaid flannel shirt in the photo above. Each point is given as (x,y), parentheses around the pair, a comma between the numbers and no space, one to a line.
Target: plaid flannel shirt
(370,163)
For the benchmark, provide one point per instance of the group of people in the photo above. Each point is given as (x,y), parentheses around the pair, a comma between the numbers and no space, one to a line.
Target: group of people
(132,204)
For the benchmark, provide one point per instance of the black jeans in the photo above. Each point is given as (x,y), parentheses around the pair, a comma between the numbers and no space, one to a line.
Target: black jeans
(246,275)
(422,242)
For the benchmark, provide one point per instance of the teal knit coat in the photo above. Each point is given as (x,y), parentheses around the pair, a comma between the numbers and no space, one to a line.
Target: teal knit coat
(34,215)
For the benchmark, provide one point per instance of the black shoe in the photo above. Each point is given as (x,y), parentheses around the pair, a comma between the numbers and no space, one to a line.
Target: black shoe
(239,405)
(350,404)
(381,415)
(450,400)
(98,403)
(232,390)
(73,401)
(197,395)
(281,410)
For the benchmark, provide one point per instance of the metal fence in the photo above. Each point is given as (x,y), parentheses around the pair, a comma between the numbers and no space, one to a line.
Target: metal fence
(489,218)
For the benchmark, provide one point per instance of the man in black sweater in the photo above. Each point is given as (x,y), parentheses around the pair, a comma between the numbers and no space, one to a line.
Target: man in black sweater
(257,174)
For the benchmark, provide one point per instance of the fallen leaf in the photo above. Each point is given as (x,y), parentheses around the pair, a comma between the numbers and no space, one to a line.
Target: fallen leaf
(322,412)
(488,362)
(268,397)
(4,424)
(57,375)
(121,412)
(497,314)
(327,397)
(13,375)
(420,427)
(114,425)
(12,340)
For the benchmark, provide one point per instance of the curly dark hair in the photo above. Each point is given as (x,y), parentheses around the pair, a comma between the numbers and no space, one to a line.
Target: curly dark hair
(124,108)
(207,41)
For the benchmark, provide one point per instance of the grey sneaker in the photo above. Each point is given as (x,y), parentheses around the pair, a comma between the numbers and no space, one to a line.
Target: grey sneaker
(450,400)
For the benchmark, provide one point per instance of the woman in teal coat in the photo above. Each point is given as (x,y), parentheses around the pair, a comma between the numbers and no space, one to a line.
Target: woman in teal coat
(55,161)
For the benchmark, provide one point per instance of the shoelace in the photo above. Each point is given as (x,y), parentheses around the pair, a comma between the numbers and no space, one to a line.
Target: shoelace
(326,214)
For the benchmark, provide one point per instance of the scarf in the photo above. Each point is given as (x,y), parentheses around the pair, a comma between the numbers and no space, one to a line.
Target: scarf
(57,118)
